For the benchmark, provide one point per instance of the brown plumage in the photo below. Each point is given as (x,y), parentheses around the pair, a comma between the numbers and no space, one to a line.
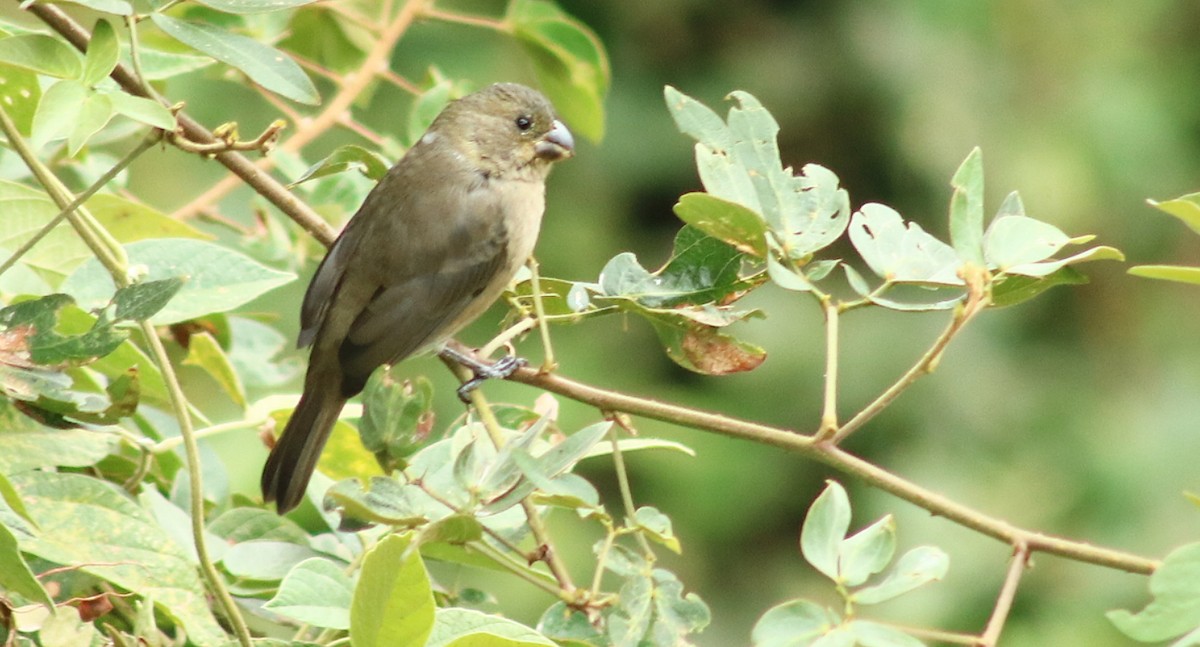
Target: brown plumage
(433,245)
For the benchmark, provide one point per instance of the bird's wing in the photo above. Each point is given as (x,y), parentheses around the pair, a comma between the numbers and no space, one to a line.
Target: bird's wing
(404,317)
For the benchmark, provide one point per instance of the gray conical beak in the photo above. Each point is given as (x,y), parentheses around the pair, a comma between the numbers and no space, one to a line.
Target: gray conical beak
(557,144)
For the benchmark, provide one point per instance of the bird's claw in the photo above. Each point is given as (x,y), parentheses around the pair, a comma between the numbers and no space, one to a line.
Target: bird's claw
(498,370)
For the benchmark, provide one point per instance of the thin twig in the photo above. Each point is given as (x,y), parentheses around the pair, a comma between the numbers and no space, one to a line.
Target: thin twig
(619,421)
(151,138)
(434,13)
(977,300)
(355,84)
(535,286)
(1008,592)
(829,416)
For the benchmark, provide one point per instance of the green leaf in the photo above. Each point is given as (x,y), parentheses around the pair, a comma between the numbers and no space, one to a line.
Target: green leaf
(1101,253)
(393,602)
(33,329)
(28,445)
(58,113)
(739,162)
(243,524)
(567,625)
(702,270)
(657,527)
(92,524)
(723,220)
(15,574)
(142,110)
(1185,207)
(1175,609)
(455,627)
(206,353)
(397,416)
(1012,289)
(966,209)
(1178,273)
(158,65)
(915,568)
(870,634)
(901,253)
(93,115)
(102,53)
(824,529)
(638,444)
(386,501)
(253,6)
(316,592)
(20,92)
(130,221)
(41,54)
(867,551)
(266,560)
(139,302)
(569,60)
(675,614)
(346,158)
(216,279)
(1017,240)
(798,623)
(118,7)
(266,66)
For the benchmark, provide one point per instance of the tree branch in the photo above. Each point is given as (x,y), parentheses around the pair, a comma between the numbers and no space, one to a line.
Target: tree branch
(840,460)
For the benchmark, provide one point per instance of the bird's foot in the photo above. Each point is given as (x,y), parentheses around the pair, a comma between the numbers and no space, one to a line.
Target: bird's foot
(482,371)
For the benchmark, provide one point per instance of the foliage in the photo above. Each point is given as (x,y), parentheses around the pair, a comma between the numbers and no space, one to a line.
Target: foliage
(113,306)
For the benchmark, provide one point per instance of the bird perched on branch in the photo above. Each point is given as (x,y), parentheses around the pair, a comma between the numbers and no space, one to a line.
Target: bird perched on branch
(433,245)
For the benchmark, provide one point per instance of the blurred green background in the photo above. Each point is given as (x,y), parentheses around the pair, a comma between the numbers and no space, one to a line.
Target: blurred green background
(1075,414)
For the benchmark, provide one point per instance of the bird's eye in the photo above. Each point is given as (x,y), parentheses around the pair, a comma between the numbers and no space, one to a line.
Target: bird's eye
(524,122)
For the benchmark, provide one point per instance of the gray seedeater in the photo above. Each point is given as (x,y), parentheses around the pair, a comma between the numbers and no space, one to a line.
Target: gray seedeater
(433,245)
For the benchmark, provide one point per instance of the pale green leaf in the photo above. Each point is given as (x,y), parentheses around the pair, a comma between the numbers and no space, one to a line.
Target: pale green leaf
(316,592)
(141,109)
(102,53)
(216,279)
(824,529)
(798,623)
(265,65)
(42,54)
(206,353)
(94,114)
(1185,207)
(393,603)
(867,551)
(1178,273)
(915,568)
(966,208)
(1175,607)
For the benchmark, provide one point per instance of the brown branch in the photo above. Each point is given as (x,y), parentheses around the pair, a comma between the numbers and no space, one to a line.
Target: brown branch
(244,169)
(840,460)
(351,86)
(1008,592)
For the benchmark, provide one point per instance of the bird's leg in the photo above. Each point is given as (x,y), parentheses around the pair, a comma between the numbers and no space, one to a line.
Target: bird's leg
(498,370)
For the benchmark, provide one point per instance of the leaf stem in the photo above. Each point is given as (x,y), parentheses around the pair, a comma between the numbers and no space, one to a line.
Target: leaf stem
(623,481)
(549,363)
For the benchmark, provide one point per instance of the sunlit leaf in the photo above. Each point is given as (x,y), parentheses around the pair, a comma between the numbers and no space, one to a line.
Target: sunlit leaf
(393,602)
(20,93)
(216,278)
(102,52)
(900,252)
(265,65)
(94,114)
(798,623)
(346,158)
(57,114)
(1175,607)
(1017,240)
(1178,273)
(253,6)
(143,110)
(1185,207)
(724,220)
(915,568)
(315,592)
(457,627)
(824,529)
(42,54)
(867,551)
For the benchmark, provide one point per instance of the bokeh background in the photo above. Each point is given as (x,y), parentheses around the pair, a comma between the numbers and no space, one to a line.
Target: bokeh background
(1075,414)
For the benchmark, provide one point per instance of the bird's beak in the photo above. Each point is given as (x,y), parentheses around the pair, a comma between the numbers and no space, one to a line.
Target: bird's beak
(557,144)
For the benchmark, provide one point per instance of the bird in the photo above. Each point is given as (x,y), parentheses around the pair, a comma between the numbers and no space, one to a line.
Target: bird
(433,245)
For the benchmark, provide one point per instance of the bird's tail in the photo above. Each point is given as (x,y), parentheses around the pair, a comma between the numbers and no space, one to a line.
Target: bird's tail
(292,461)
